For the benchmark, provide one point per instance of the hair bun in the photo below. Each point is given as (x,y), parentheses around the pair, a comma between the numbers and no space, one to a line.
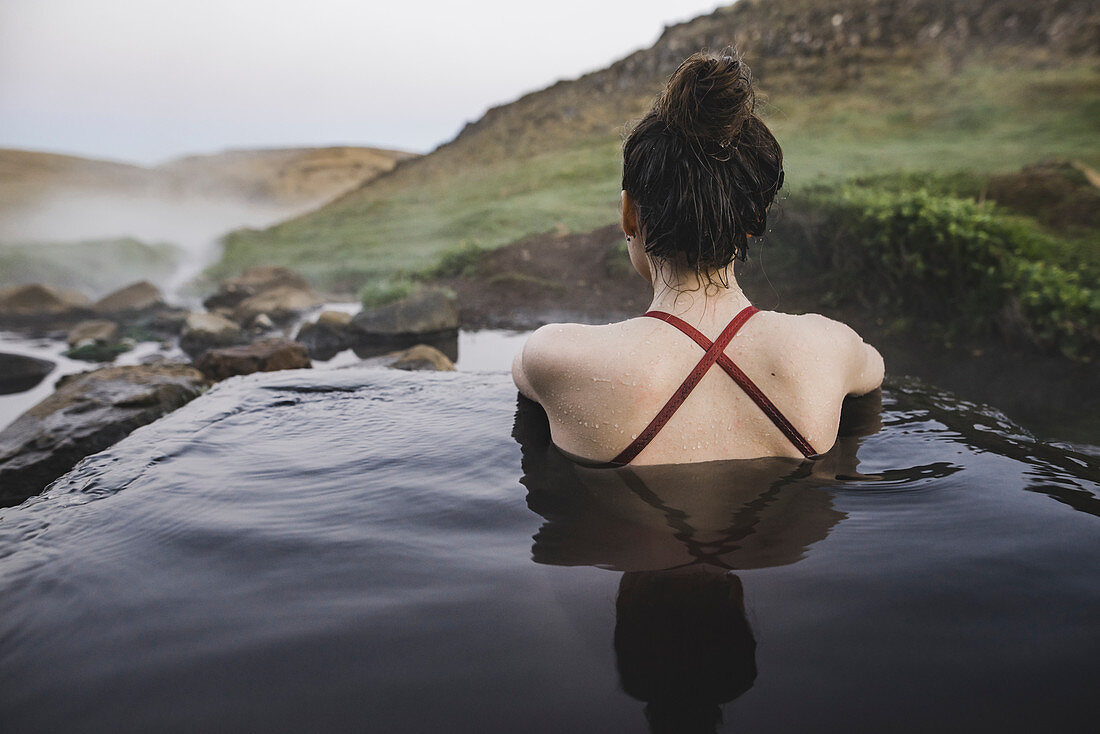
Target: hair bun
(709,98)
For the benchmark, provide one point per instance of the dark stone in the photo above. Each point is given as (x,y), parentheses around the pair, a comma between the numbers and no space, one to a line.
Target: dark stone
(204,331)
(429,311)
(251,282)
(137,298)
(446,342)
(266,355)
(42,306)
(19,373)
(99,331)
(280,304)
(87,413)
(327,336)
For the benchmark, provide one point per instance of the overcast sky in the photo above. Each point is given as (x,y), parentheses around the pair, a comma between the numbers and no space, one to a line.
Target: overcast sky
(147,80)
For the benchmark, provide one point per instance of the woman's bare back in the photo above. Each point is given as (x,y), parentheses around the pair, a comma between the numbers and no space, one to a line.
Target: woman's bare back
(601,385)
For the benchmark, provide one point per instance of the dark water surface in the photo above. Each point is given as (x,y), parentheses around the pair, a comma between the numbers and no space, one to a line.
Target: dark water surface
(375,551)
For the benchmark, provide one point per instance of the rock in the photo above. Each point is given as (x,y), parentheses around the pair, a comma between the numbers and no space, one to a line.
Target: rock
(428,311)
(202,331)
(334,318)
(88,413)
(280,304)
(96,331)
(253,281)
(420,357)
(19,373)
(35,304)
(165,322)
(266,355)
(137,298)
(262,322)
(327,336)
(90,351)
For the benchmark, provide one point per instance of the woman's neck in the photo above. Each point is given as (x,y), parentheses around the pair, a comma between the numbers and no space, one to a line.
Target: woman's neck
(686,293)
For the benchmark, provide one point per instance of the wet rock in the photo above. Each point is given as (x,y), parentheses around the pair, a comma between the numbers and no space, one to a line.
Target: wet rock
(280,304)
(19,372)
(426,312)
(204,331)
(35,304)
(266,355)
(420,357)
(164,322)
(90,351)
(253,281)
(327,336)
(262,323)
(140,297)
(87,413)
(96,331)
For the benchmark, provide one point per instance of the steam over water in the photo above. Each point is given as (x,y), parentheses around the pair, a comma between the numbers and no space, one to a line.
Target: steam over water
(192,223)
(361,550)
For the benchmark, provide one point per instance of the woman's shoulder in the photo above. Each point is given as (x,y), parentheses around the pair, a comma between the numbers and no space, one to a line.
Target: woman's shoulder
(557,353)
(858,364)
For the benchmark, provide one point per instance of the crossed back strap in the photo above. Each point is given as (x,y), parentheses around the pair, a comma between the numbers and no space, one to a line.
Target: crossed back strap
(715,353)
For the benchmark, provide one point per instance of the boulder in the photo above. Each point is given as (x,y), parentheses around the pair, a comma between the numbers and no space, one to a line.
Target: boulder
(164,322)
(19,372)
(280,304)
(140,297)
(420,357)
(327,336)
(426,312)
(251,282)
(202,331)
(266,355)
(87,413)
(34,304)
(96,331)
(262,323)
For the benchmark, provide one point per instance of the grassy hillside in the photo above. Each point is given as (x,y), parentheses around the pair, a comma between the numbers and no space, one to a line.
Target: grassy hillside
(997,111)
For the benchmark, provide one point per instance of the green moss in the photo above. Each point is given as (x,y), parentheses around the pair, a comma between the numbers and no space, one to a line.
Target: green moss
(463,260)
(98,352)
(381,292)
(961,265)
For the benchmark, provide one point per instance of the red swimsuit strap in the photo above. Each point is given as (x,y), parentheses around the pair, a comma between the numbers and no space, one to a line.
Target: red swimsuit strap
(715,353)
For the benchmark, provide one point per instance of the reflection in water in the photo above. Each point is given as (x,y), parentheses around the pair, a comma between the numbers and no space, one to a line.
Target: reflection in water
(682,642)
(683,645)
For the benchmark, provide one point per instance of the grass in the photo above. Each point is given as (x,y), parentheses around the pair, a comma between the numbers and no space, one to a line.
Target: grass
(989,116)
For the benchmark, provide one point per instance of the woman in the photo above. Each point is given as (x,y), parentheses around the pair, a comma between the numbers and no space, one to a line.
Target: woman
(703,375)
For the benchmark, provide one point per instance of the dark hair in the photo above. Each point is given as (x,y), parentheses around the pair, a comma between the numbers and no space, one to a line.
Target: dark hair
(701,166)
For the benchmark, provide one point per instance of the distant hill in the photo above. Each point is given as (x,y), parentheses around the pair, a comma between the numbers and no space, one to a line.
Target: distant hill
(290,176)
(849,86)
(291,179)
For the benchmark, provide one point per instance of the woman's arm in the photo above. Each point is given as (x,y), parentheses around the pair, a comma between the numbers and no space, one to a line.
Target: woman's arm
(519,376)
(867,368)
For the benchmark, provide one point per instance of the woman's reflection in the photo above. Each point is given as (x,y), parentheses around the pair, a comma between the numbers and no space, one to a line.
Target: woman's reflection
(682,643)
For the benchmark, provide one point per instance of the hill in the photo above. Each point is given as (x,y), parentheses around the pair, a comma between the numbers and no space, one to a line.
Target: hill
(288,180)
(851,87)
(290,176)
